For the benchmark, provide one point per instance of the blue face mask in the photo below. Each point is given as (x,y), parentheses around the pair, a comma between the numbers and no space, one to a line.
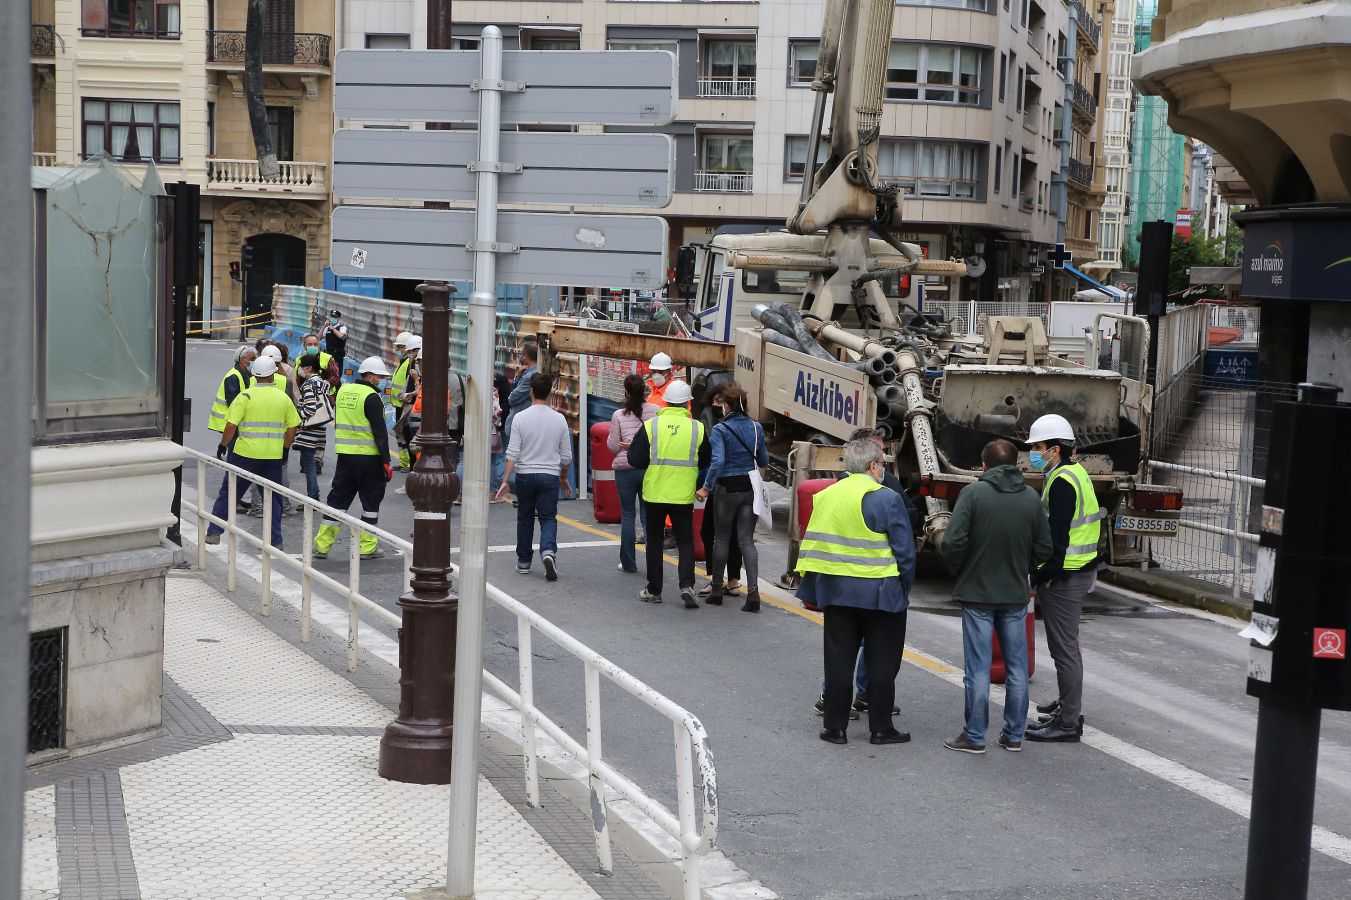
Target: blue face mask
(1037,460)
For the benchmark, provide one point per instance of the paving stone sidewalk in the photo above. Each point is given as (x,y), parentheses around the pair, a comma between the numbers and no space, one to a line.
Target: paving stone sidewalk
(265,785)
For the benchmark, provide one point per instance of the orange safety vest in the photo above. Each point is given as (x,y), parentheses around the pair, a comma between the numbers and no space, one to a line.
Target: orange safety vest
(657,395)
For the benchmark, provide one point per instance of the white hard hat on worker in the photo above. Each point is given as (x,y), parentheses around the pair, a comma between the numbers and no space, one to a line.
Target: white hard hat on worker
(660,368)
(374,365)
(1052,439)
(678,393)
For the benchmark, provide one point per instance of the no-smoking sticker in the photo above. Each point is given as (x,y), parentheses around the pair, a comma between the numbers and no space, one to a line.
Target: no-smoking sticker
(1329,643)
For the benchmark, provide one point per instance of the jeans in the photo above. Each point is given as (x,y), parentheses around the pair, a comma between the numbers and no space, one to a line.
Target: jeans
(735,522)
(307,459)
(266,469)
(708,533)
(629,483)
(496,466)
(979,625)
(682,524)
(536,496)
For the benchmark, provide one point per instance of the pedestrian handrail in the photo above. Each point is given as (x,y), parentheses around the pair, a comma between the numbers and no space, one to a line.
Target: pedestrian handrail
(694,833)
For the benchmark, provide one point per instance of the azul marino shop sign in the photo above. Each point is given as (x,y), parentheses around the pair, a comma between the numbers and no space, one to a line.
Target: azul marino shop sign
(1297,253)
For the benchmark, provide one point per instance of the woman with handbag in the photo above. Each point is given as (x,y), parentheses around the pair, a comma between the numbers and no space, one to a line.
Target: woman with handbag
(626,422)
(739,452)
(316,412)
(711,416)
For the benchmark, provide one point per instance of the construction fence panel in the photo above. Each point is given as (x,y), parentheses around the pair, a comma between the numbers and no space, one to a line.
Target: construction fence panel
(971,316)
(1182,339)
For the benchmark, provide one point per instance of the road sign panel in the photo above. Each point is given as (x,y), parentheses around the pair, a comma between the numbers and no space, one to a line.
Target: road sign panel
(563,168)
(550,248)
(559,87)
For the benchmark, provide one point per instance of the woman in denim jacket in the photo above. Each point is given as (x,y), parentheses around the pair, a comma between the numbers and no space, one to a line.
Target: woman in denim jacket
(738,446)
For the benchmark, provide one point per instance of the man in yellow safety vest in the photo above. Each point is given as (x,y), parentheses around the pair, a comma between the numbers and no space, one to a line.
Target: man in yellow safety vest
(234,381)
(362,445)
(259,428)
(403,388)
(673,450)
(858,562)
(1062,583)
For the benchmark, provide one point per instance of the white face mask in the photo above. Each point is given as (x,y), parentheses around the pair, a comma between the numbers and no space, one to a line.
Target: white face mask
(658,378)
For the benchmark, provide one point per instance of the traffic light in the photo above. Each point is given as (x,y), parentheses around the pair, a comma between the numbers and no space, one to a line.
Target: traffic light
(246,257)
(236,273)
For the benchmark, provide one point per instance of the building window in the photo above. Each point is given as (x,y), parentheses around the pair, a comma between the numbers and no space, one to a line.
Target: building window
(281,125)
(555,43)
(728,69)
(131,130)
(933,73)
(975,5)
(998,168)
(1021,88)
(388,42)
(725,163)
(1003,75)
(210,127)
(795,157)
(130,18)
(932,169)
(802,61)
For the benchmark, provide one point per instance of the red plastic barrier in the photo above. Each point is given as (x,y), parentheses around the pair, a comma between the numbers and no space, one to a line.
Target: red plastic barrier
(806,491)
(997,670)
(604,493)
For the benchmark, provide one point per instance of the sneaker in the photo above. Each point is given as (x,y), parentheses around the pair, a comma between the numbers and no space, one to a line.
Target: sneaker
(1049,708)
(401,490)
(820,707)
(522,569)
(687,594)
(962,745)
(377,553)
(1009,743)
(550,568)
(213,539)
(861,705)
(256,512)
(648,597)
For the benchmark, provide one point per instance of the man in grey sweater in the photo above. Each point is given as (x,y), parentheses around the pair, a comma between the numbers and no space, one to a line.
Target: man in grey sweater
(539,455)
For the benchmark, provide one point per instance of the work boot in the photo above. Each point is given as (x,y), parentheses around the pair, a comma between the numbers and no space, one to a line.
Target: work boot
(752,603)
(370,546)
(323,540)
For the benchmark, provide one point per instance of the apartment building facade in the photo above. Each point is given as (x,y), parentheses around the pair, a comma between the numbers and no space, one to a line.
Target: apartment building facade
(1084,172)
(161,82)
(974,96)
(1118,109)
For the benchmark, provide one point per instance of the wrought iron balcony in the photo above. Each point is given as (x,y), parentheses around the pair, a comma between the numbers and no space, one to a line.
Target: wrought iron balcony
(1083,101)
(43,44)
(1080,173)
(279,49)
(242,176)
(722,182)
(1091,30)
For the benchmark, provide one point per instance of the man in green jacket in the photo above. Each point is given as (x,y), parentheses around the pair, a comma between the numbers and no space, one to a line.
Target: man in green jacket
(996,538)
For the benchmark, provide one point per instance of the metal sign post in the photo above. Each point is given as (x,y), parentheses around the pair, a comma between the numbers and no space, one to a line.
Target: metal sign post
(474,525)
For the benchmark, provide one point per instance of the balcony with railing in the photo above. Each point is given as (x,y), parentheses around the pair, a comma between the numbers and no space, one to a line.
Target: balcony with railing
(722,182)
(1026,202)
(1083,101)
(45,160)
(242,176)
(1091,30)
(279,49)
(743,88)
(43,43)
(1079,172)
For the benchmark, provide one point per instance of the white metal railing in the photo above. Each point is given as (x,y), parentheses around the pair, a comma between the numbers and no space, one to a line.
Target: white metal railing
(723,182)
(245,175)
(694,832)
(44,159)
(726,87)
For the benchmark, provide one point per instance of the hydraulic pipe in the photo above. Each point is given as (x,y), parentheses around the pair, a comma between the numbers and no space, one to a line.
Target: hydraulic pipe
(890,393)
(921,429)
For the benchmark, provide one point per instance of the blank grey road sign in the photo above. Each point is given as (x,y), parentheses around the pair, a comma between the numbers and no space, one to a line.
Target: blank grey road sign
(554,248)
(562,168)
(561,87)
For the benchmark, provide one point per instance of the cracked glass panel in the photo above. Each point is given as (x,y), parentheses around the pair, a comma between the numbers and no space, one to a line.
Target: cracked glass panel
(103,265)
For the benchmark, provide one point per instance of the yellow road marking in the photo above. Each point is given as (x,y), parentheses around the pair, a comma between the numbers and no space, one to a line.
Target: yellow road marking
(778,598)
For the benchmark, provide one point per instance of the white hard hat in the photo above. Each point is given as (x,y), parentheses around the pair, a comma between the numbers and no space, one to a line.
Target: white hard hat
(677,392)
(414,342)
(401,340)
(374,365)
(661,362)
(273,351)
(1050,428)
(264,365)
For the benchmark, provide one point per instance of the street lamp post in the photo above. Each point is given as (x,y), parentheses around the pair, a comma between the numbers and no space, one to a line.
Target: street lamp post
(416,747)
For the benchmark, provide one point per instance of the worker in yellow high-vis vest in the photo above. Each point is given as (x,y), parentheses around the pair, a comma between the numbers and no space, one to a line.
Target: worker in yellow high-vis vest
(673,451)
(403,390)
(362,445)
(1076,528)
(857,559)
(234,381)
(259,428)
